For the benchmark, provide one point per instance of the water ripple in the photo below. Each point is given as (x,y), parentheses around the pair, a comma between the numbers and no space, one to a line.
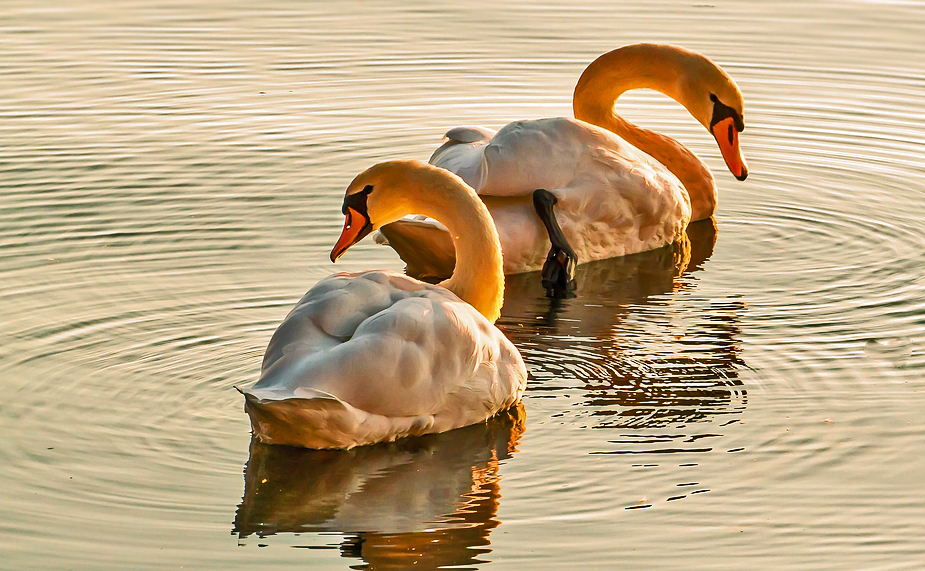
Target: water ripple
(172,178)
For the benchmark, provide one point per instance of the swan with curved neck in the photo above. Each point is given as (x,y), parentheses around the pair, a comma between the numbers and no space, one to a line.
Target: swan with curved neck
(702,87)
(478,278)
(377,355)
(611,188)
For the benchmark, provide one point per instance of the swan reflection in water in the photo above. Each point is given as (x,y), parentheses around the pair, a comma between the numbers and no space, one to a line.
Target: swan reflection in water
(641,359)
(426,502)
(643,350)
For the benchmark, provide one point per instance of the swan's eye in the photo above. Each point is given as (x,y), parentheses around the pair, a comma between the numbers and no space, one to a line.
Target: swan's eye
(722,111)
(357,200)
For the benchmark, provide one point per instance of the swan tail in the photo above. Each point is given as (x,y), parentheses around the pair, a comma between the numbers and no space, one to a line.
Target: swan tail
(469,135)
(461,153)
(455,143)
(426,248)
(324,421)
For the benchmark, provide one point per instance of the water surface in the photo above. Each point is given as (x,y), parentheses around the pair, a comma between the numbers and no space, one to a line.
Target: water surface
(170,185)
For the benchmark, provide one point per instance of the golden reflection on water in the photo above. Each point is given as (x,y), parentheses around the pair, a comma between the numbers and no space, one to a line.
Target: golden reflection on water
(432,502)
(172,178)
(635,370)
(428,502)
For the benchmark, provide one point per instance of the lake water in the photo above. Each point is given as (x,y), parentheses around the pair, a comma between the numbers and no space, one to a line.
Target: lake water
(171,176)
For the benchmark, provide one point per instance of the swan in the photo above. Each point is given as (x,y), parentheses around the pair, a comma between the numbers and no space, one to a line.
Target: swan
(375,356)
(602,187)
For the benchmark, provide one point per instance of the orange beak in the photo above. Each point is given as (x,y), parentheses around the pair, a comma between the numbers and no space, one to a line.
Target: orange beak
(727,137)
(356,227)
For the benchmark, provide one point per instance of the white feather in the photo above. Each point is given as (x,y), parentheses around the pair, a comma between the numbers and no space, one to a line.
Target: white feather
(376,356)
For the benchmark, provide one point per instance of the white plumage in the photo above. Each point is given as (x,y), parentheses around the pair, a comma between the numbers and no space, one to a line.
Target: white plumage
(383,356)
(375,356)
(613,198)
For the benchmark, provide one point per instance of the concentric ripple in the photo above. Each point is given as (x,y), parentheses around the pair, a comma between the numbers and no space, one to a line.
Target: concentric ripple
(171,177)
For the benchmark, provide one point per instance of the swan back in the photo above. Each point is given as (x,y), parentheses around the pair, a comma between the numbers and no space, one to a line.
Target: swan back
(377,355)
(462,152)
(559,153)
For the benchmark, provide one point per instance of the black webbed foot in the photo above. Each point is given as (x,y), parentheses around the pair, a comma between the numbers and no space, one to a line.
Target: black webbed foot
(559,269)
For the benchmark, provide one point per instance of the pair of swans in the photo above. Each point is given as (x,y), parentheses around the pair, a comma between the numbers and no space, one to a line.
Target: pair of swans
(610,188)
(376,356)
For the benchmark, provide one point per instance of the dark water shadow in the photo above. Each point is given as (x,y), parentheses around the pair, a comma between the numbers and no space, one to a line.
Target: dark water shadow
(426,502)
(642,348)
(608,289)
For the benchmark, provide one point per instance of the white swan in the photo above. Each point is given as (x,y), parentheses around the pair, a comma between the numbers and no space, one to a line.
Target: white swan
(618,189)
(376,355)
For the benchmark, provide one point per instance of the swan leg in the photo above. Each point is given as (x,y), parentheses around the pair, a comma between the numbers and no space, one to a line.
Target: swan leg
(559,269)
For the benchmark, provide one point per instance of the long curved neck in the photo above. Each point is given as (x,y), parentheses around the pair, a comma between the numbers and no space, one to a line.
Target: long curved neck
(653,67)
(478,278)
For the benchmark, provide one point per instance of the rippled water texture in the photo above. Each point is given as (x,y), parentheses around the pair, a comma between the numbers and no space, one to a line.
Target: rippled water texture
(170,183)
